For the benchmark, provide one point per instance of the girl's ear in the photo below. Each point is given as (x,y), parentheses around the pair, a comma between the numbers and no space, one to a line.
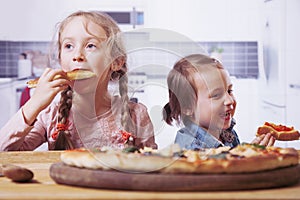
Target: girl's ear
(117,64)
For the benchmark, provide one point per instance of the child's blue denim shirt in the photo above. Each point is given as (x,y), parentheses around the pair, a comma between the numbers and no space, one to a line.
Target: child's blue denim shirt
(194,137)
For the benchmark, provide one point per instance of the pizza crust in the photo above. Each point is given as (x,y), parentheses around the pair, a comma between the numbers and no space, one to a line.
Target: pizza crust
(116,160)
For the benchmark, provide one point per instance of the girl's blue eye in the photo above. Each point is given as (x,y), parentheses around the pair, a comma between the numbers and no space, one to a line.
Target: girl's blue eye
(230,91)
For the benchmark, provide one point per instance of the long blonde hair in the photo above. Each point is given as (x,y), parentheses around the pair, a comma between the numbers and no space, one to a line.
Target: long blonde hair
(116,52)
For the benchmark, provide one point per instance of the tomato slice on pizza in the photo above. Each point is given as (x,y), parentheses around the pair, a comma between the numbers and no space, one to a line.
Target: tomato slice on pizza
(279,127)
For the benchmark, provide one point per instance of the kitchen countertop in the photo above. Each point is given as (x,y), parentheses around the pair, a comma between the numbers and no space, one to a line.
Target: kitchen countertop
(43,187)
(14,82)
(5,82)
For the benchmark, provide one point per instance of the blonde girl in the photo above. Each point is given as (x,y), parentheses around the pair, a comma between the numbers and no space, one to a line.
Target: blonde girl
(87,115)
(201,100)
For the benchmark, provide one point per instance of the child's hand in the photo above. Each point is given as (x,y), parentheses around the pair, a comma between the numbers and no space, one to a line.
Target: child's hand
(47,88)
(265,140)
(44,93)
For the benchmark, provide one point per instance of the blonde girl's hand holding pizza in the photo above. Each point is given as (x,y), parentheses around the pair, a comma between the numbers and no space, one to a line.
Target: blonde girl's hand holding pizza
(45,91)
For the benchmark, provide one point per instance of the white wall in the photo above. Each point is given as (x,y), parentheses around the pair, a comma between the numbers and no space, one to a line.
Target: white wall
(30,19)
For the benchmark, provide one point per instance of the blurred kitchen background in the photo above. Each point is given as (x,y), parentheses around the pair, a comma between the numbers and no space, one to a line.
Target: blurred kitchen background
(256,40)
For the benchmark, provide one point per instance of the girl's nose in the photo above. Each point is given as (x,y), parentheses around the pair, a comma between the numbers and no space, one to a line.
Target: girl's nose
(229,100)
(79,58)
(79,55)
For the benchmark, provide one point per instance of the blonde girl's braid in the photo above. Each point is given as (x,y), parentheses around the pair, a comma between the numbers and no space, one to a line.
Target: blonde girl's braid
(63,141)
(117,52)
(126,120)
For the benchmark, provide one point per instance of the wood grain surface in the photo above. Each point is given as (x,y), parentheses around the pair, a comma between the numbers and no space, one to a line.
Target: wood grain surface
(68,175)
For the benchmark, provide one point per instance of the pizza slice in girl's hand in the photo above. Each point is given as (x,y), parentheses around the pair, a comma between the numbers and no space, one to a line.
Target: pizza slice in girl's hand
(280,132)
(77,74)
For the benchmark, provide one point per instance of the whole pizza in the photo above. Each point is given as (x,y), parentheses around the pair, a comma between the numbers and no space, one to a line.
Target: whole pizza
(245,158)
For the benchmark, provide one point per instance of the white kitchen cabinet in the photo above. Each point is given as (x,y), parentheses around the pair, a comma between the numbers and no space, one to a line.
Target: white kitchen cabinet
(292,62)
(36,20)
(293,111)
(206,20)
(292,52)
(293,108)
(282,66)
(200,20)
(7,100)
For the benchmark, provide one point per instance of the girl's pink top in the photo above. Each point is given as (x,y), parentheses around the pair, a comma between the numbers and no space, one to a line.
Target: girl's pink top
(98,132)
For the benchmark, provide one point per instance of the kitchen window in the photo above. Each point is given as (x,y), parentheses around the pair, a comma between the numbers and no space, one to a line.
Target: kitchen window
(239,58)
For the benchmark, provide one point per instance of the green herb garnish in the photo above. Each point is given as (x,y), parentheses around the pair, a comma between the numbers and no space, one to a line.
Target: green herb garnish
(131,149)
(255,145)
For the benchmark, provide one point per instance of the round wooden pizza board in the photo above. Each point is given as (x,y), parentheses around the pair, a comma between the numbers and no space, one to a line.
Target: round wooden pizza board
(74,176)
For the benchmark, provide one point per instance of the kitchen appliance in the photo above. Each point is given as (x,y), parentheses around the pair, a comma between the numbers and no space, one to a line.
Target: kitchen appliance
(10,94)
(6,98)
(280,68)
(24,68)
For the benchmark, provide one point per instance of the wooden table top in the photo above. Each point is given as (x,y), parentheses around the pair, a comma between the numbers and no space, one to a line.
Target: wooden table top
(43,187)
